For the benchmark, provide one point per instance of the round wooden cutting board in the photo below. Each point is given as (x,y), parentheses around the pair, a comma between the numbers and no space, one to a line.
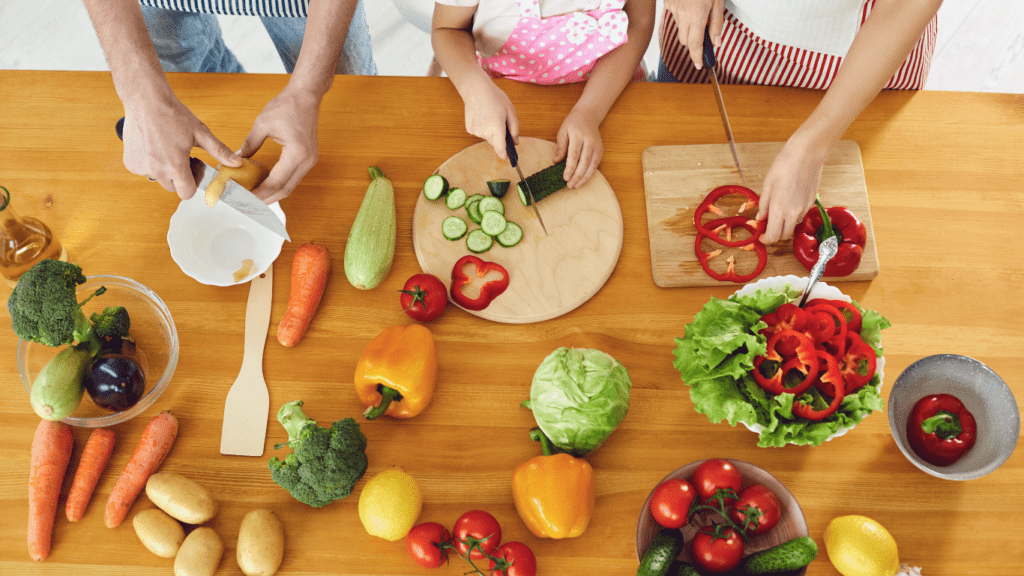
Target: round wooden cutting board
(548,275)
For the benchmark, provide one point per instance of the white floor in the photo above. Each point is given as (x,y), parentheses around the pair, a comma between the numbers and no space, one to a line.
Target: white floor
(980,45)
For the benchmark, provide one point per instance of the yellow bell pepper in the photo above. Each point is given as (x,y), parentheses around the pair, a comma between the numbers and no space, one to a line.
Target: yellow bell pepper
(397,371)
(554,493)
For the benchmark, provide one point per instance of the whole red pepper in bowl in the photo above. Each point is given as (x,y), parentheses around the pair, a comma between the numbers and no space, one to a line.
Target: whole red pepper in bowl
(814,228)
(471,268)
(940,429)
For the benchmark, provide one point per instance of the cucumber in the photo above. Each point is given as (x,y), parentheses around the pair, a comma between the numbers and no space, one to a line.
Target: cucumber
(498,188)
(478,241)
(543,183)
(454,227)
(511,236)
(490,203)
(474,213)
(682,569)
(474,199)
(58,388)
(493,223)
(455,199)
(785,557)
(370,249)
(667,544)
(435,186)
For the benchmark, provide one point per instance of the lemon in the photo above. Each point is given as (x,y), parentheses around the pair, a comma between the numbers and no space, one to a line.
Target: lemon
(859,546)
(390,504)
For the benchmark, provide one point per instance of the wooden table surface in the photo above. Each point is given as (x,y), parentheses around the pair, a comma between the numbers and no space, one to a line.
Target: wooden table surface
(946,185)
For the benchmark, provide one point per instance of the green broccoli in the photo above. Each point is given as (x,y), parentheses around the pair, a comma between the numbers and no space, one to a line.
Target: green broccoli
(112,322)
(325,463)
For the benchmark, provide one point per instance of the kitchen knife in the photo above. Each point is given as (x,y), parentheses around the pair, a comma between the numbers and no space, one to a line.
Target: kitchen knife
(234,194)
(711,63)
(513,157)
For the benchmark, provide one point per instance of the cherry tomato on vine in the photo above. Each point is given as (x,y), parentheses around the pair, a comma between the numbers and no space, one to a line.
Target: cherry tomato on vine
(713,475)
(424,297)
(423,544)
(519,558)
(764,500)
(481,526)
(716,554)
(670,504)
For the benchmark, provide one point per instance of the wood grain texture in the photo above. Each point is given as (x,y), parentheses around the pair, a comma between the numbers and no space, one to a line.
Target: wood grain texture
(678,178)
(944,174)
(549,274)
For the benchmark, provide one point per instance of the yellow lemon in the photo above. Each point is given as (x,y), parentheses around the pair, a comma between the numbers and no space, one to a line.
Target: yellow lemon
(859,546)
(390,504)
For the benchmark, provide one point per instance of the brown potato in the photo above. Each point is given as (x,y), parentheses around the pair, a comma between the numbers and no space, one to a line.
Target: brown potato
(199,554)
(249,175)
(260,543)
(159,533)
(182,498)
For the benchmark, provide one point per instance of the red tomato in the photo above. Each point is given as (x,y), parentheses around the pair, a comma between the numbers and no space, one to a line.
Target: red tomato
(761,498)
(519,558)
(423,544)
(713,475)
(716,554)
(424,297)
(671,502)
(481,526)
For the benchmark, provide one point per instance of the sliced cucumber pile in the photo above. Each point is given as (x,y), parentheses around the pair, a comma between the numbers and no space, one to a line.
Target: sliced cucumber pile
(487,211)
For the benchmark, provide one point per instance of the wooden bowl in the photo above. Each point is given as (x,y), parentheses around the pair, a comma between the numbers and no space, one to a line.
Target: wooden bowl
(792,523)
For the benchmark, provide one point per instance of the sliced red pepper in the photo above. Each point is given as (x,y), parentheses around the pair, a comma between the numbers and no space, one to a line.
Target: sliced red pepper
(730,274)
(830,382)
(708,205)
(715,228)
(785,317)
(940,429)
(836,343)
(489,290)
(851,233)
(858,364)
(775,371)
(854,320)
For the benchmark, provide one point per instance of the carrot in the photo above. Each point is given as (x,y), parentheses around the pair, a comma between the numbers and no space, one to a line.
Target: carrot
(310,267)
(94,459)
(155,443)
(51,452)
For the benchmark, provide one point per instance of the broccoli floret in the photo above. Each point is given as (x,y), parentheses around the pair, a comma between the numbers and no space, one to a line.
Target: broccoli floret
(114,321)
(44,307)
(325,463)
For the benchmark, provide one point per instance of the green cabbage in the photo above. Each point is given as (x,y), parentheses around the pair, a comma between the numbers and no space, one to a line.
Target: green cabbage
(578,397)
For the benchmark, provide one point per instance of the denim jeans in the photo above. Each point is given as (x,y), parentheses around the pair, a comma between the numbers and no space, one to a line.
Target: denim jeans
(663,74)
(192,42)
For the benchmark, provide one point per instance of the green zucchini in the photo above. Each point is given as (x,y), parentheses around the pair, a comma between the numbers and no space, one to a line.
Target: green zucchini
(511,236)
(59,386)
(786,557)
(455,199)
(498,188)
(490,203)
(543,183)
(454,227)
(370,249)
(667,544)
(493,223)
(435,186)
(478,241)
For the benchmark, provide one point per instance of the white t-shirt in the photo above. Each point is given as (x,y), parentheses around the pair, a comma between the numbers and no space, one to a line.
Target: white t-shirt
(825,26)
(495,19)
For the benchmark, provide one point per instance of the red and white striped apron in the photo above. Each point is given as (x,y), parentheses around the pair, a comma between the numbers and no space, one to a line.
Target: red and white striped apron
(745,58)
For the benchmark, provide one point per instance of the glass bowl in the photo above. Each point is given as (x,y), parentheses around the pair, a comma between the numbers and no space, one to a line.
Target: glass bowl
(154,333)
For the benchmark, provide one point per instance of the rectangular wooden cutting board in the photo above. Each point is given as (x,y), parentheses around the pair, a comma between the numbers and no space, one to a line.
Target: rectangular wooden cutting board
(677,178)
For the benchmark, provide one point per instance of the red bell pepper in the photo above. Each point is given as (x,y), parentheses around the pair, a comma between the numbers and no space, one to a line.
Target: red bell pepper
(785,317)
(810,232)
(836,342)
(708,205)
(858,364)
(730,274)
(489,289)
(715,228)
(773,371)
(940,429)
(854,320)
(829,381)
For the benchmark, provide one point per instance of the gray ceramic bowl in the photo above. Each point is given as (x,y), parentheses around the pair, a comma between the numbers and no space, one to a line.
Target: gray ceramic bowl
(980,389)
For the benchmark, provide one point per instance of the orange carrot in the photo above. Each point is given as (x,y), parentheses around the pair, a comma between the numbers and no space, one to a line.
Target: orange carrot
(155,443)
(310,267)
(51,452)
(94,459)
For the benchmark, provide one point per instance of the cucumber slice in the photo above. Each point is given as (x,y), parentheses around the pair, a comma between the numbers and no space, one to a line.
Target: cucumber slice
(493,223)
(543,183)
(454,227)
(490,203)
(478,241)
(474,213)
(511,236)
(435,186)
(455,199)
(498,188)
(474,198)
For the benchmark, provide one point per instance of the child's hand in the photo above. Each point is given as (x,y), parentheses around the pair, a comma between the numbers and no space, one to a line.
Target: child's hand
(789,190)
(488,110)
(579,141)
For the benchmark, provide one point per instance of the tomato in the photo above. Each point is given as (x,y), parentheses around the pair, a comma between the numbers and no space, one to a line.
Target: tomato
(761,498)
(716,554)
(671,502)
(713,475)
(519,558)
(480,526)
(423,544)
(424,297)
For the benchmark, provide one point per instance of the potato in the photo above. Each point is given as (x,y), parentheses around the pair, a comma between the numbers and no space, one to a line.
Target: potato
(159,533)
(260,543)
(199,554)
(180,497)
(249,175)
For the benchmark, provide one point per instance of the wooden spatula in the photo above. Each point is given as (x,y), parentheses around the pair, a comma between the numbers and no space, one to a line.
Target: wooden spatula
(245,411)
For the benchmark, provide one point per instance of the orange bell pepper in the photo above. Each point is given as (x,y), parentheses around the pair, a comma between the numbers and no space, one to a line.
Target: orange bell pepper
(554,493)
(397,371)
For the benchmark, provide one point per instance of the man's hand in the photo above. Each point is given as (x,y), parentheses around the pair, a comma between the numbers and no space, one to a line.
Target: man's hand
(579,141)
(691,17)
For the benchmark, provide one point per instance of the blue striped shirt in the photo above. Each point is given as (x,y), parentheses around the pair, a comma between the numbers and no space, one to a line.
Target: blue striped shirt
(293,8)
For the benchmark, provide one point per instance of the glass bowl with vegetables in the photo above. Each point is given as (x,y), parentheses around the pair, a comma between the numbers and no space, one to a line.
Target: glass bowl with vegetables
(119,363)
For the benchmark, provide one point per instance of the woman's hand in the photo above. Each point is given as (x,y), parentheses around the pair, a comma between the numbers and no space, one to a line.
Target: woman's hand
(488,111)
(579,142)
(789,188)
(691,17)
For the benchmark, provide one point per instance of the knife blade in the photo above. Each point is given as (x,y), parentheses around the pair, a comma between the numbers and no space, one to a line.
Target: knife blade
(513,158)
(712,63)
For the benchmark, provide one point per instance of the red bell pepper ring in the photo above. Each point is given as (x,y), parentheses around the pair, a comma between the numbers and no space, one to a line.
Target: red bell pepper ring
(773,371)
(715,228)
(708,205)
(830,382)
(858,364)
(489,290)
(730,274)
(854,319)
(785,317)
(810,232)
(940,429)
(836,343)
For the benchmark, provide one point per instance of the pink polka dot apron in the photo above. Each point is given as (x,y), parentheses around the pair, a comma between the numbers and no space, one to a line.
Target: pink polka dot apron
(559,49)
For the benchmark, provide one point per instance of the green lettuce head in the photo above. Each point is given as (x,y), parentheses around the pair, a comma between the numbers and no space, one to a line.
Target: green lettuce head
(578,397)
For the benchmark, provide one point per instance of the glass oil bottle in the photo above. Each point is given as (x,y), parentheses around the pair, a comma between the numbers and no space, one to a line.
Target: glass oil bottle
(23,242)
